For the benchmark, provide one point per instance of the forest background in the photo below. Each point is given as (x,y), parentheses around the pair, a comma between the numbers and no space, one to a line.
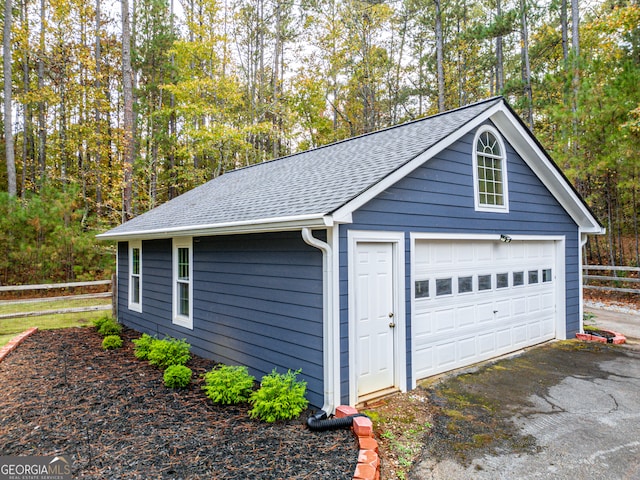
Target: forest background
(112,108)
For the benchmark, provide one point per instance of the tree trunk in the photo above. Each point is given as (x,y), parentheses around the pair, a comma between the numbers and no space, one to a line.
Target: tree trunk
(575,75)
(172,124)
(26,107)
(97,116)
(127,92)
(440,57)
(42,127)
(8,114)
(564,27)
(499,55)
(526,65)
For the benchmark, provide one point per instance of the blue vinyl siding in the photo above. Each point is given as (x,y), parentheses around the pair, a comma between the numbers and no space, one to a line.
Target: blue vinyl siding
(257,302)
(439,197)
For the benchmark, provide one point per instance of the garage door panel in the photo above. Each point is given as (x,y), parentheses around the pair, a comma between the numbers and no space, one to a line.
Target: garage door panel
(465,316)
(548,300)
(446,354)
(467,348)
(533,304)
(486,343)
(424,358)
(534,330)
(484,252)
(444,320)
(484,312)
(502,298)
(503,338)
(422,324)
(519,335)
(519,305)
(503,309)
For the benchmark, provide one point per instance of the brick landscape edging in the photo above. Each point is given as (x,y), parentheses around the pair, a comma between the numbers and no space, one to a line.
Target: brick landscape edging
(616,338)
(368,467)
(15,341)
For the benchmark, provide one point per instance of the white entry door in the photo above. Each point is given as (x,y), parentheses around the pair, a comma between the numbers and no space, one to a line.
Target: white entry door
(375,316)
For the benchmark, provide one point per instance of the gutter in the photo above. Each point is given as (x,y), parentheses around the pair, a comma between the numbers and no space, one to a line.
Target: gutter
(274,224)
(330,316)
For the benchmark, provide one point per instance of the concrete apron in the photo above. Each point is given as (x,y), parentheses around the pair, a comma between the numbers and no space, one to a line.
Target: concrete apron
(585,425)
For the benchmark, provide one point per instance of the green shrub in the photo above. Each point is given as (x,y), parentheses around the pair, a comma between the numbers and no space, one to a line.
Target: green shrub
(169,351)
(177,376)
(107,326)
(143,346)
(280,397)
(111,342)
(228,384)
(99,321)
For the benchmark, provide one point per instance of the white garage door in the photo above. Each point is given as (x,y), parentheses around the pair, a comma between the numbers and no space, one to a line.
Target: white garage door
(474,300)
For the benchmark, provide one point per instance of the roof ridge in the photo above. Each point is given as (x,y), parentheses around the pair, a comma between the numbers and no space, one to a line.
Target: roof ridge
(367,134)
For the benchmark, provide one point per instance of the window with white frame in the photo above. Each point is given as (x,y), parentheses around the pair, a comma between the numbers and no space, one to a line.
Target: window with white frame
(183,282)
(490,171)
(135,275)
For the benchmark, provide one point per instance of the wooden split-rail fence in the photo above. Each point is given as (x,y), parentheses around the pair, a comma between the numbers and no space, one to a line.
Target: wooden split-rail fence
(612,278)
(56,298)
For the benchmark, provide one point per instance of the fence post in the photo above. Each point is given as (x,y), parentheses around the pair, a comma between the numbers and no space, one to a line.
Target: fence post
(114,296)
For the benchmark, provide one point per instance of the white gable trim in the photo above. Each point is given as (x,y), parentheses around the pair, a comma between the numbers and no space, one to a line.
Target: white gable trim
(521,140)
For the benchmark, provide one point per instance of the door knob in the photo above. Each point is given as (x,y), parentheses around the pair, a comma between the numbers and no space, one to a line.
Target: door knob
(392,325)
(390,314)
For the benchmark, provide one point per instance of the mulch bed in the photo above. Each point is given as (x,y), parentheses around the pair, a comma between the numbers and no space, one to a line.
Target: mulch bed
(62,394)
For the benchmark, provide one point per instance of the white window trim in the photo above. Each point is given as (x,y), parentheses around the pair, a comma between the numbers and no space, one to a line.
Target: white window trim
(505,183)
(178,319)
(136,307)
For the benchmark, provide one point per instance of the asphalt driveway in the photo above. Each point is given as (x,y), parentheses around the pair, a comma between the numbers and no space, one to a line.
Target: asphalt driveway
(566,410)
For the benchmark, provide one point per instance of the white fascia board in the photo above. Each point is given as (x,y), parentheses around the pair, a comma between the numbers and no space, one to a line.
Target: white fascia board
(343,214)
(279,224)
(522,141)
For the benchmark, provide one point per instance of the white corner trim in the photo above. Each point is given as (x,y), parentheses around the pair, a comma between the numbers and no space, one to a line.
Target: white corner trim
(400,360)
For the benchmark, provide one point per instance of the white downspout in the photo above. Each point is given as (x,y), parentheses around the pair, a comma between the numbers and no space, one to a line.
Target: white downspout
(330,330)
(583,241)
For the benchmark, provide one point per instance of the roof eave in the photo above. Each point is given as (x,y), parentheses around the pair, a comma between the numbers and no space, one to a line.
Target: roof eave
(280,224)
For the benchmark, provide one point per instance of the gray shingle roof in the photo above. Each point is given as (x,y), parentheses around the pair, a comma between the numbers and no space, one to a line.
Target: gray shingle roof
(315,182)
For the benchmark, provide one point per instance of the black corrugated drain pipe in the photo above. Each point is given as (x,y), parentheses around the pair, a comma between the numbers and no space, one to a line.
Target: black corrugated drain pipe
(319,422)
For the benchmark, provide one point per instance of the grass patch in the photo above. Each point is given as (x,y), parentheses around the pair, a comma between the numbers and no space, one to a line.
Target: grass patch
(11,327)
(10,307)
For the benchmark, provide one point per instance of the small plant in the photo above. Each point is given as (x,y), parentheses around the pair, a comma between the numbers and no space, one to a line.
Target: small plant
(107,326)
(169,351)
(143,346)
(111,342)
(177,376)
(228,384)
(280,397)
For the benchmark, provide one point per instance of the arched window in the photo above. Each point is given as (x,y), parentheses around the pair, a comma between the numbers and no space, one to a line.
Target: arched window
(490,171)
